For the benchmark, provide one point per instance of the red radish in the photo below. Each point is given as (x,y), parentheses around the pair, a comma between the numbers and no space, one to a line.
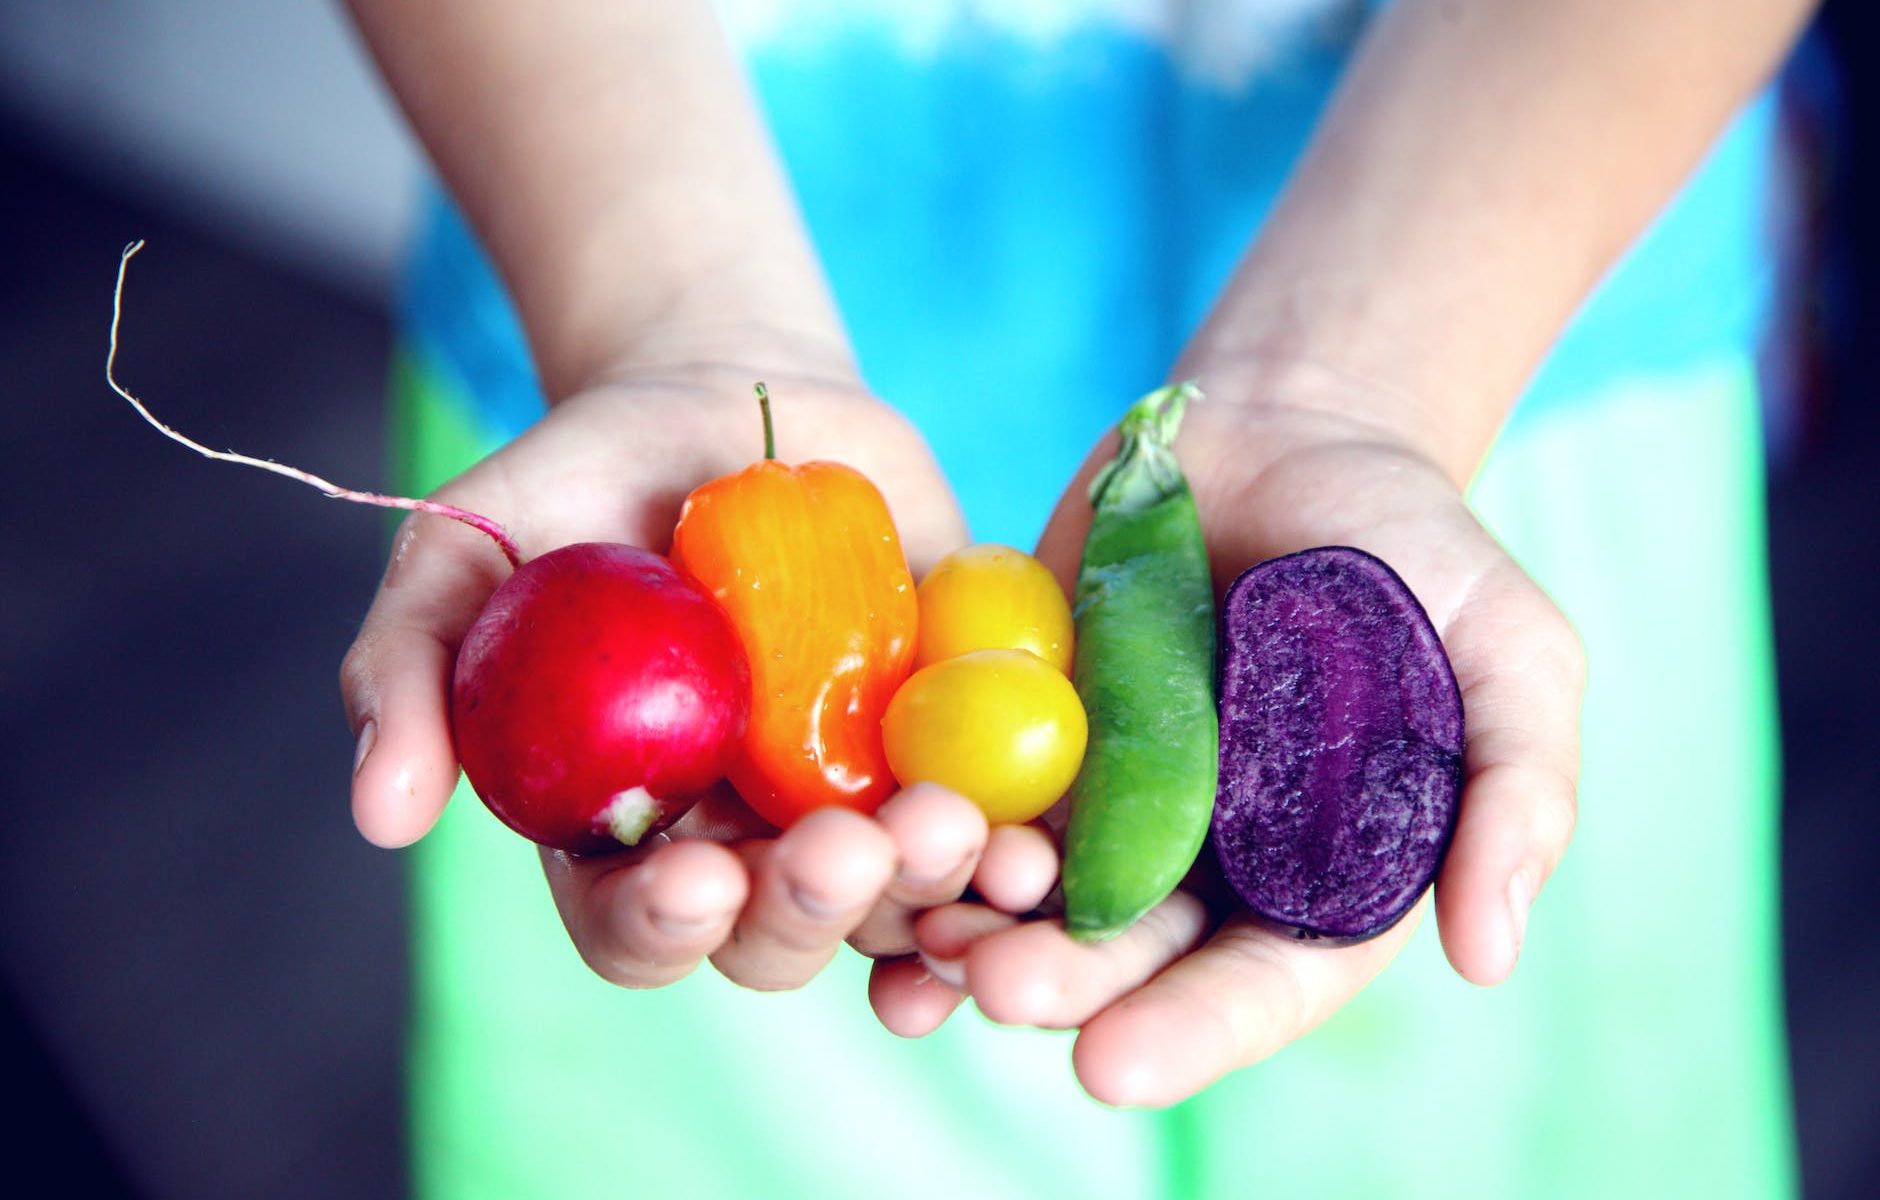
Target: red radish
(597,694)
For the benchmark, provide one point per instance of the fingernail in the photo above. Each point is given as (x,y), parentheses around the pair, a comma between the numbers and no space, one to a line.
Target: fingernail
(368,734)
(814,904)
(1520,898)
(950,971)
(921,878)
(681,928)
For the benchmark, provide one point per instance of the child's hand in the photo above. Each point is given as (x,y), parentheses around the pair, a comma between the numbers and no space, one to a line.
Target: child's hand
(1016,872)
(1193,990)
(614,464)
(769,909)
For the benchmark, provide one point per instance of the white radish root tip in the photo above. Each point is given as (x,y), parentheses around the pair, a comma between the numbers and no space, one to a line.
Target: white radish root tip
(480,523)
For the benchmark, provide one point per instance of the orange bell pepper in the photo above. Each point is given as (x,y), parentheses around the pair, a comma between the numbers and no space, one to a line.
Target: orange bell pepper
(807,562)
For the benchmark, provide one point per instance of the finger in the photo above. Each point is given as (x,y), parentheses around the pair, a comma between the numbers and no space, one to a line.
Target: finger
(395,679)
(945,934)
(907,999)
(646,917)
(928,520)
(1238,999)
(1522,675)
(1036,974)
(1061,545)
(1018,868)
(938,835)
(721,815)
(810,888)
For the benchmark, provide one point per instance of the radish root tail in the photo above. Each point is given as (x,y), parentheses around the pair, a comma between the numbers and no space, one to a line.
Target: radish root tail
(480,523)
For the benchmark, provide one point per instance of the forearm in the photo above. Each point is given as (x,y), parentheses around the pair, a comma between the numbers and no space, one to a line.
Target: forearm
(612,160)
(1484,163)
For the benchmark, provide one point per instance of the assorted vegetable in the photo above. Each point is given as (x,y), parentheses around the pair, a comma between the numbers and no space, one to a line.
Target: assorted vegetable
(1003,728)
(596,696)
(807,563)
(1145,670)
(1341,745)
(990,712)
(603,688)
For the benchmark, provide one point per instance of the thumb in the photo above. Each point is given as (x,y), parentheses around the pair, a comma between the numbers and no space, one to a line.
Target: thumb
(1061,545)
(395,679)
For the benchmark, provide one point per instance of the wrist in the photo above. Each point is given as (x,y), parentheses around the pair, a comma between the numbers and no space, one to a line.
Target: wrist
(676,315)
(688,385)
(721,353)
(1348,376)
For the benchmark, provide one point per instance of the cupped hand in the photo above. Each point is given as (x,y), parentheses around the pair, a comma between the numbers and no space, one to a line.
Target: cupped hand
(1196,989)
(615,463)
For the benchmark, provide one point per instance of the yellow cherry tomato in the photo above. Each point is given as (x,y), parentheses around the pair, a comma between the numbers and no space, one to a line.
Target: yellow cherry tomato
(1003,728)
(991,597)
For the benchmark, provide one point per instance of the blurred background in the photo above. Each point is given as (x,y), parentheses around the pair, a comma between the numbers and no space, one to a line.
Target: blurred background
(201,965)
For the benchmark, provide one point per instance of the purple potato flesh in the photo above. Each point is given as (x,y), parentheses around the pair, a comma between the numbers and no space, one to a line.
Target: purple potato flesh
(1341,745)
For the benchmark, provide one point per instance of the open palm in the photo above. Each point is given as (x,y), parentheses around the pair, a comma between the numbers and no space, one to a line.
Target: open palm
(1195,990)
(614,464)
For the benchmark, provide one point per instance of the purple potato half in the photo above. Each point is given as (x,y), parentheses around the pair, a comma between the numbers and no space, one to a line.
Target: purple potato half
(1341,745)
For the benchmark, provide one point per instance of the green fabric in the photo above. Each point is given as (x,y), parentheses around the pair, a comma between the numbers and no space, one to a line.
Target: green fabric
(434,437)
(1637,1051)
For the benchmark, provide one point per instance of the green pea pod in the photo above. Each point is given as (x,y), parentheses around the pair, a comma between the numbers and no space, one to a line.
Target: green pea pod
(1145,672)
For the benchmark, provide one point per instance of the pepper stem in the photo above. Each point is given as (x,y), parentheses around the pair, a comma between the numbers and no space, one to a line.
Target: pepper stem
(770,432)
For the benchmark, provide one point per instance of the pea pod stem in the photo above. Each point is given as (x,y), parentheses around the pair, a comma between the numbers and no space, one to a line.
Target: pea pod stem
(1144,669)
(1144,469)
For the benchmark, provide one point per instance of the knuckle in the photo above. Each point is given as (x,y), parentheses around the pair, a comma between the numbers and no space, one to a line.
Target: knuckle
(792,938)
(356,672)
(587,914)
(1538,798)
(1172,926)
(767,972)
(881,943)
(1268,1006)
(1558,649)
(1558,803)
(792,943)
(886,932)
(1551,792)
(609,965)
(1569,655)
(623,968)
(930,893)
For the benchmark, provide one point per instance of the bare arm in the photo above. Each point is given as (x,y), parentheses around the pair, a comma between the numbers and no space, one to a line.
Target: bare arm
(611,158)
(613,161)
(1484,163)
